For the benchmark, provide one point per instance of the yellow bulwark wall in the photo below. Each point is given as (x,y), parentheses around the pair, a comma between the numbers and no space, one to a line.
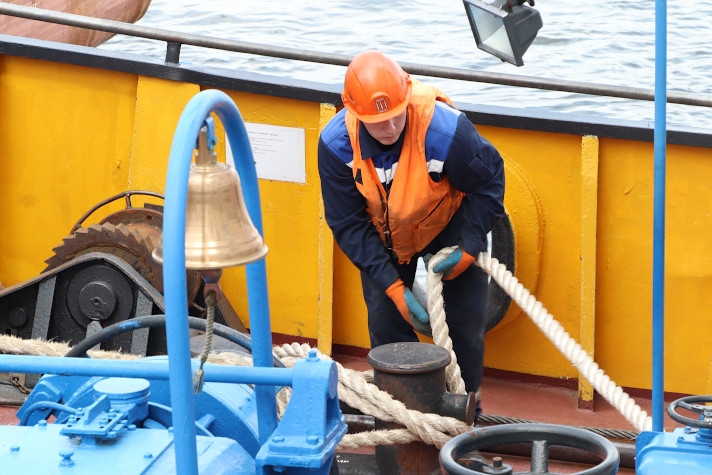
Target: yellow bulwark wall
(80,135)
(581,208)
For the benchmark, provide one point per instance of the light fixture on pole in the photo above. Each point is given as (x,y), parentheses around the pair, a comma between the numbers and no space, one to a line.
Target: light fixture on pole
(503,28)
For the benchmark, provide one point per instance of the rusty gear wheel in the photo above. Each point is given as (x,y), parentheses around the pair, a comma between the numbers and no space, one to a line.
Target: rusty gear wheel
(133,243)
(131,234)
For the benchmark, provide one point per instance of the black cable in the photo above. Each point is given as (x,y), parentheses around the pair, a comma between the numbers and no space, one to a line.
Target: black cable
(623,434)
(152,321)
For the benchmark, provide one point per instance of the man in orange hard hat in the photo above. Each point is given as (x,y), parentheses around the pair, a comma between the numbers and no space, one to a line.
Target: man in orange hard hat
(404,174)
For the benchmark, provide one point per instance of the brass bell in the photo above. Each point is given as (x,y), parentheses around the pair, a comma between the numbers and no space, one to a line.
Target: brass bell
(219,232)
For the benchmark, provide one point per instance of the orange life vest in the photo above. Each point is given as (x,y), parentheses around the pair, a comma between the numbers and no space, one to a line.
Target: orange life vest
(417,208)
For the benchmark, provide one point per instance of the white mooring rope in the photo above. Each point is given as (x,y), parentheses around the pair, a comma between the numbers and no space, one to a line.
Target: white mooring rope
(441,332)
(553,330)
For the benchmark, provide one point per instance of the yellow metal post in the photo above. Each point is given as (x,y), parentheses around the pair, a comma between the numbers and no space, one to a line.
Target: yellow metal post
(159,103)
(326,263)
(589,214)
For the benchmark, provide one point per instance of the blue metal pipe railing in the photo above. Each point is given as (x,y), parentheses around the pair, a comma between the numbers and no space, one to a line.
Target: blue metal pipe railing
(174,271)
(148,369)
(659,146)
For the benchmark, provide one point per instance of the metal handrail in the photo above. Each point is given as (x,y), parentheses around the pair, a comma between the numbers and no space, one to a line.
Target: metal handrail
(175,39)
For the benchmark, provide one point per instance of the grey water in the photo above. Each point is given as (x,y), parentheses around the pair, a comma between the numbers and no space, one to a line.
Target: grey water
(606,42)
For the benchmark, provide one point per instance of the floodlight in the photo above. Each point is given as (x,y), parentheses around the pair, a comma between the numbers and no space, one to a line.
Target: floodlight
(503,28)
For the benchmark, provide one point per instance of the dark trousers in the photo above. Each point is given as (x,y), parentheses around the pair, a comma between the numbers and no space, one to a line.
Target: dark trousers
(465,306)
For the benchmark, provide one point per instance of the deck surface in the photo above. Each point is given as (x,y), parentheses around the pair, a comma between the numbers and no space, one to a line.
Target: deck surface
(508,397)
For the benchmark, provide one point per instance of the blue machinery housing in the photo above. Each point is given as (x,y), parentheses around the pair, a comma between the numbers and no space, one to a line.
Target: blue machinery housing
(142,415)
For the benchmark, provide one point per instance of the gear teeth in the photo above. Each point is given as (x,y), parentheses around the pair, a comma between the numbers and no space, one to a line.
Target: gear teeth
(67,241)
(100,229)
(134,244)
(148,241)
(95,233)
(142,240)
(55,260)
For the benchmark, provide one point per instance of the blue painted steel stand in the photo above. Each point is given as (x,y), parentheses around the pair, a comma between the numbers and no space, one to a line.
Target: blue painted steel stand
(660,139)
(685,450)
(174,270)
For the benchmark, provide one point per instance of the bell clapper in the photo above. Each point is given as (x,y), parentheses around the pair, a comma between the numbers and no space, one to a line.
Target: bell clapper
(211,277)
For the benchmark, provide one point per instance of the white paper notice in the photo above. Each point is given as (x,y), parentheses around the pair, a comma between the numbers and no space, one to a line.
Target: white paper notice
(279,152)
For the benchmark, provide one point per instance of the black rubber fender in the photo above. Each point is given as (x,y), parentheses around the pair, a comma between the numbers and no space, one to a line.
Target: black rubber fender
(503,249)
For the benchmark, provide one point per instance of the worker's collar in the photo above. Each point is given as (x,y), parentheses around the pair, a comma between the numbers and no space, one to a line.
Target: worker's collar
(371,147)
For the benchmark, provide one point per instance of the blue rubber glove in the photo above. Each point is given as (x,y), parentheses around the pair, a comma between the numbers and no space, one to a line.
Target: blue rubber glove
(409,308)
(455,264)
(426,260)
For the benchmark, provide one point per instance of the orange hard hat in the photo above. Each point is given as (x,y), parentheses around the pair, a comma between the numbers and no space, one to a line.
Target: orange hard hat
(375,87)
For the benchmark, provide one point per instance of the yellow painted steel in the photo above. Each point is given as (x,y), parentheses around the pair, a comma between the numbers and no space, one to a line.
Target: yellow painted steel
(325,264)
(543,195)
(159,104)
(581,209)
(625,247)
(293,229)
(66,146)
(589,214)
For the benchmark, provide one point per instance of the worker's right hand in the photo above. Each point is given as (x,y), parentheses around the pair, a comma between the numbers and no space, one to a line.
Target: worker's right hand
(453,265)
(409,308)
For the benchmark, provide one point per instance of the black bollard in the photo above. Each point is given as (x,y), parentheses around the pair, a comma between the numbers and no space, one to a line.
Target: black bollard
(414,374)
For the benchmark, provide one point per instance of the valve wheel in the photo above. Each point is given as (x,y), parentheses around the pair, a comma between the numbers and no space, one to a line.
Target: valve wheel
(540,436)
(691,404)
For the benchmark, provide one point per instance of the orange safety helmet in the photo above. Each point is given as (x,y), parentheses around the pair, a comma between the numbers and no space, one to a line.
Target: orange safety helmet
(376,88)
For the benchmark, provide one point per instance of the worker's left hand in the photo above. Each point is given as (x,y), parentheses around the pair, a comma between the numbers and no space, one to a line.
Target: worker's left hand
(419,318)
(454,264)
(409,308)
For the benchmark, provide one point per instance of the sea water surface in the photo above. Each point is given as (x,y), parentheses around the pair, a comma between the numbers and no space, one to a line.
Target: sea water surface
(607,42)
